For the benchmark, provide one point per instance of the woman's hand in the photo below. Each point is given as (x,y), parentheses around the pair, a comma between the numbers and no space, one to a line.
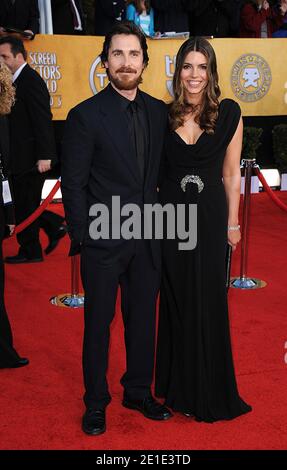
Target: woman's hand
(234,237)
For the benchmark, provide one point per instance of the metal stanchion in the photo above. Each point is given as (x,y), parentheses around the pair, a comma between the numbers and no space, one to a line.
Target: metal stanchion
(244,282)
(75,299)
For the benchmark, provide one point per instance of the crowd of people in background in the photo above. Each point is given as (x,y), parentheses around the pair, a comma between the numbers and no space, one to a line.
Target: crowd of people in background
(209,18)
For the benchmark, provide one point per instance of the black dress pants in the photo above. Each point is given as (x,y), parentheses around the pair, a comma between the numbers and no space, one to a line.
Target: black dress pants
(133,270)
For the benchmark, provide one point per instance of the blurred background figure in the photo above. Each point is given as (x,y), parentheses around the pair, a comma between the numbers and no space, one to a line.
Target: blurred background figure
(171,15)
(8,355)
(218,18)
(259,18)
(32,150)
(107,14)
(68,17)
(282,32)
(141,13)
(20,14)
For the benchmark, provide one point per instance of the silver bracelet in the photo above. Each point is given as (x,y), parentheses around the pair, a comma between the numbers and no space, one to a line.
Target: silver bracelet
(233,228)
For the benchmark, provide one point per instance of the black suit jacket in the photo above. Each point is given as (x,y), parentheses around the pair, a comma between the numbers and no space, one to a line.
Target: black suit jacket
(97,164)
(6,212)
(23,15)
(106,14)
(31,129)
(63,18)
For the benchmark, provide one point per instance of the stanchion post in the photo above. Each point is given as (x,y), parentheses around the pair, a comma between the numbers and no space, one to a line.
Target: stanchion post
(248,166)
(244,282)
(75,299)
(75,274)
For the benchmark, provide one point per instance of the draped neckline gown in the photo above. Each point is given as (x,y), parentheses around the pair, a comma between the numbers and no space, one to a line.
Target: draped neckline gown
(194,368)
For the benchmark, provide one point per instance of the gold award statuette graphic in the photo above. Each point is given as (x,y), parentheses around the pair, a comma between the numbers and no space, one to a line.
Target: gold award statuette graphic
(251,77)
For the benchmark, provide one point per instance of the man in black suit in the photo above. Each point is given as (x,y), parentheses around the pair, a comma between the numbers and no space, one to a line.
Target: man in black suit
(8,355)
(68,17)
(107,14)
(20,14)
(32,151)
(112,147)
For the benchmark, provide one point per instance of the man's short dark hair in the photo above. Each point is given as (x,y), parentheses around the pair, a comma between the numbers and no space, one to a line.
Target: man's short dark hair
(17,46)
(129,28)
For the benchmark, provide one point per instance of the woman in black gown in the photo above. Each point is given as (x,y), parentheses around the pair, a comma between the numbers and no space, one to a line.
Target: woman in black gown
(8,355)
(194,370)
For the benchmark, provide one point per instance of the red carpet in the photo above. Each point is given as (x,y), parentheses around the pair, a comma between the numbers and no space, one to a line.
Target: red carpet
(41,405)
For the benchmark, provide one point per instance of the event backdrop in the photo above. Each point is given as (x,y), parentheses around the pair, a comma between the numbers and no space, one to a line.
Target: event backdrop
(252,71)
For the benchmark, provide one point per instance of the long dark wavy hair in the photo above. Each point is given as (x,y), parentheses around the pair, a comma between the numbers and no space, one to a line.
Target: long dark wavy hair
(207,112)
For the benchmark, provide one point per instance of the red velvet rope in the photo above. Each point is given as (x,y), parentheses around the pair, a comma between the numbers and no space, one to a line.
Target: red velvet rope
(49,198)
(269,191)
(38,211)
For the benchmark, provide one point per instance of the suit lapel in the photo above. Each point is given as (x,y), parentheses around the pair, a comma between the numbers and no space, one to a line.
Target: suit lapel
(116,128)
(23,72)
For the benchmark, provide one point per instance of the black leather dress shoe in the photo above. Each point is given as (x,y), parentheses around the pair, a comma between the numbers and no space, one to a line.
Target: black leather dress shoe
(54,240)
(21,362)
(20,259)
(149,407)
(94,422)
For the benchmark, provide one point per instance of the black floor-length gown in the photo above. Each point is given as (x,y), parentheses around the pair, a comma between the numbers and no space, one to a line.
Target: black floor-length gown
(194,369)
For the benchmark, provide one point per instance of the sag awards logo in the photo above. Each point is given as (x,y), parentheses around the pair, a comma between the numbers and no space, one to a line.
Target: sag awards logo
(46,64)
(169,71)
(251,77)
(98,77)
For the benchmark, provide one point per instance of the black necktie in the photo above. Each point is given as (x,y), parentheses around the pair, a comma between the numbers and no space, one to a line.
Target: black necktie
(138,134)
